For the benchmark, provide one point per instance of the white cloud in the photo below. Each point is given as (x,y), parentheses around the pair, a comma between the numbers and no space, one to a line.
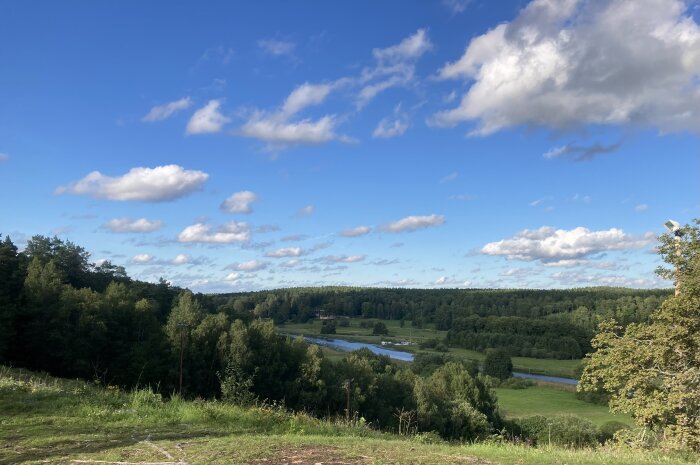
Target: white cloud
(558,246)
(642,207)
(395,66)
(252,265)
(390,127)
(441,280)
(161,112)
(355,232)
(579,152)
(456,6)
(4,156)
(343,258)
(285,252)
(291,263)
(568,63)
(573,278)
(207,119)
(305,95)
(411,47)
(142,259)
(158,184)
(277,47)
(278,129)
(181,259)
(413,223)
(450,177)
(226,234)
(127,225)
(232,277)
(239,202)
(307,210)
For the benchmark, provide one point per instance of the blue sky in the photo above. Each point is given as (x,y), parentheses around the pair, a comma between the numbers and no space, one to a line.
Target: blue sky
(238,146)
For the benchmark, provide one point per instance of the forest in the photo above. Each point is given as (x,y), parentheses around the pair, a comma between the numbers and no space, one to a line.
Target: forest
(62,314)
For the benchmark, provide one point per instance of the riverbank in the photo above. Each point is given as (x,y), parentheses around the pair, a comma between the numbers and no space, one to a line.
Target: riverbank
(354,333)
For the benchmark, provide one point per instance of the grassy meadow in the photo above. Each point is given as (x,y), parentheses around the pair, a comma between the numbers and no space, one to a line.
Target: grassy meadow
(48,420)
(551,367)
(552,401)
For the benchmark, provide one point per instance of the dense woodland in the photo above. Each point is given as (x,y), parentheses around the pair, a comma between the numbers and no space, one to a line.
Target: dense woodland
(62,314)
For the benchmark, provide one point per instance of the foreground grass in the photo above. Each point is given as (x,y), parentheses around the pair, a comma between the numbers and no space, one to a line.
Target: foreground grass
(551,367)
(550,401)
(47,420)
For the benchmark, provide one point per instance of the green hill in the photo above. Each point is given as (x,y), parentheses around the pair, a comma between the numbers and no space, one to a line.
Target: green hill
(56,421)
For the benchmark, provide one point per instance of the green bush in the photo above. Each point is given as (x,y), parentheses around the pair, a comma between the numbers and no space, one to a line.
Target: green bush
(608,430)
(328,327)
(565,430)
(516,383)
(498,364)
(380,329)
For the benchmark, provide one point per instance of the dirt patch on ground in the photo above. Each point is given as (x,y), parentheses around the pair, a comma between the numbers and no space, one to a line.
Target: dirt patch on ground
(309,455)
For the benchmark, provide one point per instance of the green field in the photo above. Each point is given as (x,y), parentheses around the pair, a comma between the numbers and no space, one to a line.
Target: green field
(564,368)
(549,401)
(47,420)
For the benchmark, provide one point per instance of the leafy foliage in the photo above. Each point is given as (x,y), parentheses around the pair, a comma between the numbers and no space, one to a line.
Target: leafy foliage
(498,364)
(652,370)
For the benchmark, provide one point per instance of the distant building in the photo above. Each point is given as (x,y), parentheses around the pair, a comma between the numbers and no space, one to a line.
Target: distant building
(324,315)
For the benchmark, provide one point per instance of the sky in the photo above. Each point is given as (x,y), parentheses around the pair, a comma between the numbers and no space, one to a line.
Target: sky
(233,146)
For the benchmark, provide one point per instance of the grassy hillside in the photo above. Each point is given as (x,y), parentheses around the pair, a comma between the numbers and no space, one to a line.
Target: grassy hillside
(552,367)
(48,420)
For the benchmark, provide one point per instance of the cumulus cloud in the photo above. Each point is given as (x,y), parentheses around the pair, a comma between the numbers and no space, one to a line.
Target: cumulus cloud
(159,184)
(579,152)
(251,265)
(306,211)
(280,128)
(291,263)
(355,232)
(414,223)
(181,259)
(562,64)
(277,47)
(161,112)
(285,252)
(142,259)
(207,119)
(127,225)
(232,277)
(559,246)
(343,258)
(239,202)
(226,234)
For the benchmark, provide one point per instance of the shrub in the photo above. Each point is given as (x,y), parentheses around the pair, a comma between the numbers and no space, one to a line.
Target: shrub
(608,430)
(565,430)
(380,329)
(498,364)
(328,327)
(516,383)
(366,324)
(441,347)
(344,322)
(429,343)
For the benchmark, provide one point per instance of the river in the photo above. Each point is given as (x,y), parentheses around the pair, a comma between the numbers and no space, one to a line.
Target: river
(348,346)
